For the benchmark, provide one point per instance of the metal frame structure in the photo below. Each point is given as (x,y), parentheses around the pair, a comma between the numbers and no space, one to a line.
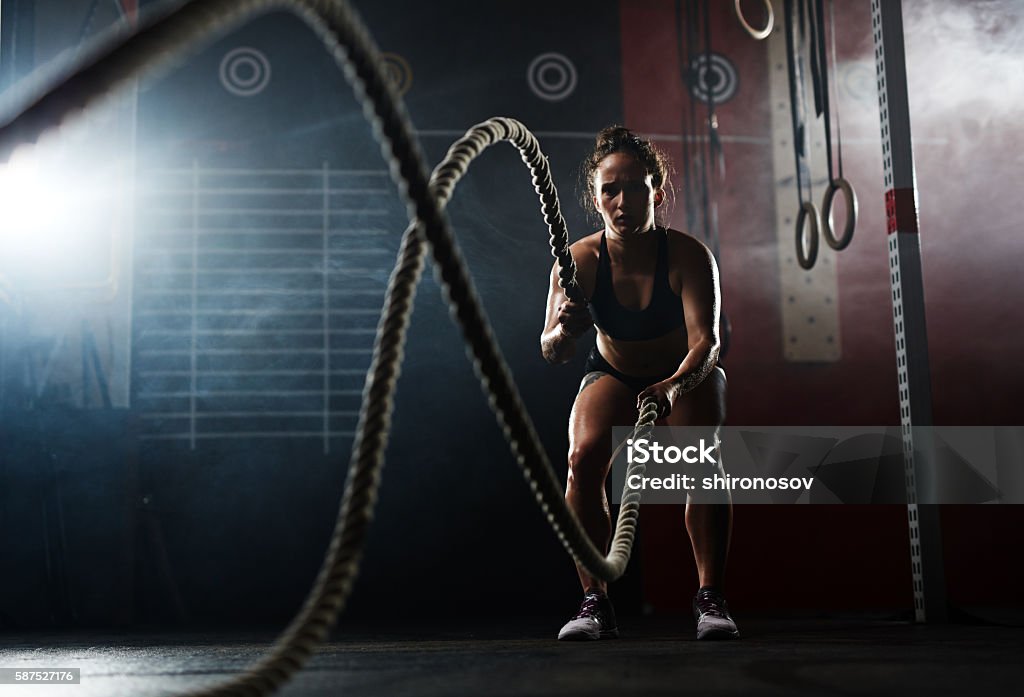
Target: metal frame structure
(908,305)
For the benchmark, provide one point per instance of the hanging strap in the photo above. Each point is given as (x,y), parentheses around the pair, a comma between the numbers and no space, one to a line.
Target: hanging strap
(808,213)
(682,47)
(835,183)
(715,164)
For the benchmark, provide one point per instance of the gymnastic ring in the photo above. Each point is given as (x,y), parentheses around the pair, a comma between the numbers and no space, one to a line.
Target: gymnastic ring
(827,230)
(807,210)
(758,34)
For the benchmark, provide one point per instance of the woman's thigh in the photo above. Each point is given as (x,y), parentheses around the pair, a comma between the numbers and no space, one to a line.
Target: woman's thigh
(703,406)
(602,403)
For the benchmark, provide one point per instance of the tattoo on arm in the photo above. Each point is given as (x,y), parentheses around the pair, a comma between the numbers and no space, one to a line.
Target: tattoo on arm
(547,349)
(558,348)
(690,381)
(590,378)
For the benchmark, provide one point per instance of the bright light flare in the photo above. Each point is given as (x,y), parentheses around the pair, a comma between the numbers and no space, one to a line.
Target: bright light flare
(56,220)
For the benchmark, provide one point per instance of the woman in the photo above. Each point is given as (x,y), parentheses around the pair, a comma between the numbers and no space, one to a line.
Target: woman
(653,298)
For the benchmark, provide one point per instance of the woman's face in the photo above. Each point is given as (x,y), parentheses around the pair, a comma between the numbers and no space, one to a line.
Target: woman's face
(624,195)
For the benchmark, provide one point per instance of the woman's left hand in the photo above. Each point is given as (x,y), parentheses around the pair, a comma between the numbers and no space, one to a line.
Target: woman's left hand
(664,393)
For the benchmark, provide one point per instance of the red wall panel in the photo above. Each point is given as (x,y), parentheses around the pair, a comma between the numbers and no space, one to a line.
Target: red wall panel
(845,557)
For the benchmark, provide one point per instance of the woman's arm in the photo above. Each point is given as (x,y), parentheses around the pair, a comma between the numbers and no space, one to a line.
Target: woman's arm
(702,306)
(701,298)
(564,322)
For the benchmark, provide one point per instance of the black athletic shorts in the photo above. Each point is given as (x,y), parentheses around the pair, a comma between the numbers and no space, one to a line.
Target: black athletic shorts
(597,362)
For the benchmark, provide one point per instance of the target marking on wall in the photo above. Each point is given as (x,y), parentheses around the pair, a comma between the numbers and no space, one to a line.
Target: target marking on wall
(397,72)
(857,80)
(551,76)
(245,71)
(720,79)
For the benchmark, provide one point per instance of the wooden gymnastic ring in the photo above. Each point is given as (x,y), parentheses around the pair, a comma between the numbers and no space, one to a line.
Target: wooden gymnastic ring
(758,34)
(807,210)
(827,229)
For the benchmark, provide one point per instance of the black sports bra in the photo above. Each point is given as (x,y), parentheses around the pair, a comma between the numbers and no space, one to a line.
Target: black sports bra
(663,314)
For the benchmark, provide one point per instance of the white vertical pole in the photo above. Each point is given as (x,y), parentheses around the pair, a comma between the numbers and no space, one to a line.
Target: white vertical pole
(194,339)
(908,305)
(327,305)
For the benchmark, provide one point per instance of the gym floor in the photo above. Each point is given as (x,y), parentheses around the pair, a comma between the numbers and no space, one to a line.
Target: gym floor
(654,656)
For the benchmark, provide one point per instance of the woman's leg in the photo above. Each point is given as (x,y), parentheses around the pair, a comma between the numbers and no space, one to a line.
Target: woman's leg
(709,524)
(602,402)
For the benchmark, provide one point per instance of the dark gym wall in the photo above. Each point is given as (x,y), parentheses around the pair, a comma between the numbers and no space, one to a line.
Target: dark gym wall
(453,503)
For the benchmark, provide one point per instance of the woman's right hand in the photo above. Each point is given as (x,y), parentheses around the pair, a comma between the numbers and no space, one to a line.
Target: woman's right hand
(574,318)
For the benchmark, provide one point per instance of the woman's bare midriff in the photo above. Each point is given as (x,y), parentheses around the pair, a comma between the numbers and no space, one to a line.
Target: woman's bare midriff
(652,357)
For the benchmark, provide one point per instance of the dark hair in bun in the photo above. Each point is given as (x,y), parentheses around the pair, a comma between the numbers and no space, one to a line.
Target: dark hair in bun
(615,139)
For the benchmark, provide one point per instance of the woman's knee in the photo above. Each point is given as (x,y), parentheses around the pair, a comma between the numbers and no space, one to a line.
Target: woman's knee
(588,465)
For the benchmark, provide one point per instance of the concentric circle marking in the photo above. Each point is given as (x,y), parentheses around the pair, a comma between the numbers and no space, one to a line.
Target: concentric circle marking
(719,79)
(551,76)
(857,79)
(397,71)
(244,71)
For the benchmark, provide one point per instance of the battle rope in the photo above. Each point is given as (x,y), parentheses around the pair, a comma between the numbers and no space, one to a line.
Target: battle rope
(51,99)
(549,495)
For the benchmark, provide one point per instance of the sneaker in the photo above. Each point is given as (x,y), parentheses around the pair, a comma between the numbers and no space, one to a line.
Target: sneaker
(595,620)
(712,615)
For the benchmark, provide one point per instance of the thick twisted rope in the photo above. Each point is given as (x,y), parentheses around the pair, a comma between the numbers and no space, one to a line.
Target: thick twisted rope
(544,483)
(49,101)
